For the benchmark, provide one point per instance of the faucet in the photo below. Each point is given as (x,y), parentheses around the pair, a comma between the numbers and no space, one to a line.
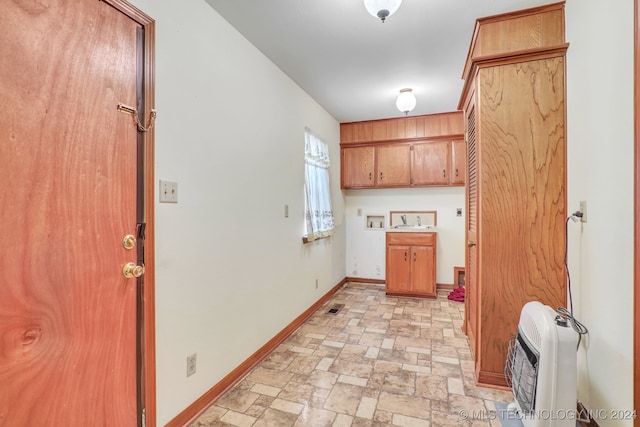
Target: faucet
(404,219)
(419,220)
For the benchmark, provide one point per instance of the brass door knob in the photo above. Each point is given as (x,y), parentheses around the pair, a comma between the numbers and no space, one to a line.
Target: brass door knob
(129,242)
(130,270)
(471,243)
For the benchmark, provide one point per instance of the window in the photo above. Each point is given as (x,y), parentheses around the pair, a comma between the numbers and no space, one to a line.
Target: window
(317,193)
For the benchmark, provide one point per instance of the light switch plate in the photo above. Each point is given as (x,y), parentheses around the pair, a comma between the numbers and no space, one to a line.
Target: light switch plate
(168,192)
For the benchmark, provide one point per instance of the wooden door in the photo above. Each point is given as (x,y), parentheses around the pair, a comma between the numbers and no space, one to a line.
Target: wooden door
(423,270)
(68,164)
(394,165)
(458,162)
(431,163)
(399,268)
(357,167)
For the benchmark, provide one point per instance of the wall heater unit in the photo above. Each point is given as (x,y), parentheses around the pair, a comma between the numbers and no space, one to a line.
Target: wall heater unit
(541,367)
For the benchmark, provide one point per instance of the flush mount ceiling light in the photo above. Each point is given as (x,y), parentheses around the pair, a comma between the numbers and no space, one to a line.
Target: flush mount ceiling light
(406,101)
(382,8)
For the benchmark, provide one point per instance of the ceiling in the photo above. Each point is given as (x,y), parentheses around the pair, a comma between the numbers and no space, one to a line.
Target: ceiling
(353,64)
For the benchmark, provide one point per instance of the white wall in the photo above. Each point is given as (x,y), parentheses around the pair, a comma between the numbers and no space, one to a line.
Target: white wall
(231,270)
(366,248)
(600,171)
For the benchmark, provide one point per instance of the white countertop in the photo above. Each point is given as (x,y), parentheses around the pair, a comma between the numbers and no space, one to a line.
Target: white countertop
(412,229)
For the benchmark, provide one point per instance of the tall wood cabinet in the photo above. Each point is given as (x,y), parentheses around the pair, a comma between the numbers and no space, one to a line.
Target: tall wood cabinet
(514,108)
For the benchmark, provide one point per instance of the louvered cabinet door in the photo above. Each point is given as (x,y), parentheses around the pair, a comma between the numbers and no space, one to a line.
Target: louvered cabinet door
(471,292)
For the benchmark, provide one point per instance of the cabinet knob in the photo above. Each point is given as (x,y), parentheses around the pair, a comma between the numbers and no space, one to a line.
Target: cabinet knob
(380,176)
(405,255)
(471,243)
(369,176)
(444,173)
(456,172)
(414,256)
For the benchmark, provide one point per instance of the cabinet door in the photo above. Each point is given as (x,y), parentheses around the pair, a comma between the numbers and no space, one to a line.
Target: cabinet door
(357,167)
(472,295)
(399,268)
(431,163)
(458,162)
(423,269)
(394,165)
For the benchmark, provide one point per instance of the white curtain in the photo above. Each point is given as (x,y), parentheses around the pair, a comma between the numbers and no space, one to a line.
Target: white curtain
(318,212)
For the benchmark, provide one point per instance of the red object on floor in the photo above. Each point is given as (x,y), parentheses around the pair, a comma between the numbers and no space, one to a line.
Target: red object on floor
(457,294)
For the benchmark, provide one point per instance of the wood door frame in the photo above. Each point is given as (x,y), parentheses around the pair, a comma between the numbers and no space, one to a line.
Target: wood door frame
(148,326)
(636,207)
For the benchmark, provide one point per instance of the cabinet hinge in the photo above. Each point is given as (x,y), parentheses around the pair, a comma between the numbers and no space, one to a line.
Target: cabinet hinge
(143,419)
(466,137)
(411,149)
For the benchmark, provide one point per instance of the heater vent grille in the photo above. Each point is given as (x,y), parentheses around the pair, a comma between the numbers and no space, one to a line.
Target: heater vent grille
(522,372)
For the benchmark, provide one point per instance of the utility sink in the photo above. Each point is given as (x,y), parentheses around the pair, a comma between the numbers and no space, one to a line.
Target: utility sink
(414,227)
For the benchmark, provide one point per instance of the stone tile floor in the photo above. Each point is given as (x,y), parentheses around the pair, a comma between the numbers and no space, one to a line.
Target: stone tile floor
(379,361)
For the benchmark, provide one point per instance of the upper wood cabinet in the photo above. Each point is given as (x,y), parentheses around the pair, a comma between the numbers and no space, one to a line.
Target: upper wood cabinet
(458,162)
(360,173)
(417,164)
(431,163)
(403,128)
(394,165)
(403,152)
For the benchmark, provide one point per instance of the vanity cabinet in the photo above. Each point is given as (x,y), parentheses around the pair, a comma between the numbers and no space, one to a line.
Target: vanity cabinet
(411,264)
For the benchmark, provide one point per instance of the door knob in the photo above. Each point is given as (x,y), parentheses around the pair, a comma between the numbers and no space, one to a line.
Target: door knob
(471,244)
(130,270)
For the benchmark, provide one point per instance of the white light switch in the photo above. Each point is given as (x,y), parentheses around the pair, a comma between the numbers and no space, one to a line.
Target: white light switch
(168,192)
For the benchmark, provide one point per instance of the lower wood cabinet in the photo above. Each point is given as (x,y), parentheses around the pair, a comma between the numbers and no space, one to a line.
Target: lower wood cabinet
(411,264)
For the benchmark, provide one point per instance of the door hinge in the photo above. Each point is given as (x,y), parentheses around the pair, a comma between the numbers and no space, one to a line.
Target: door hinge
(144,417)
(466,137)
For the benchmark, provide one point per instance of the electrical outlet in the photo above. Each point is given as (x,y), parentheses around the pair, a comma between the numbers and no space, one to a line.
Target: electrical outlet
(583,209)
(316,283)
(359,211)
(191,364)
(458,211)
(286,211)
